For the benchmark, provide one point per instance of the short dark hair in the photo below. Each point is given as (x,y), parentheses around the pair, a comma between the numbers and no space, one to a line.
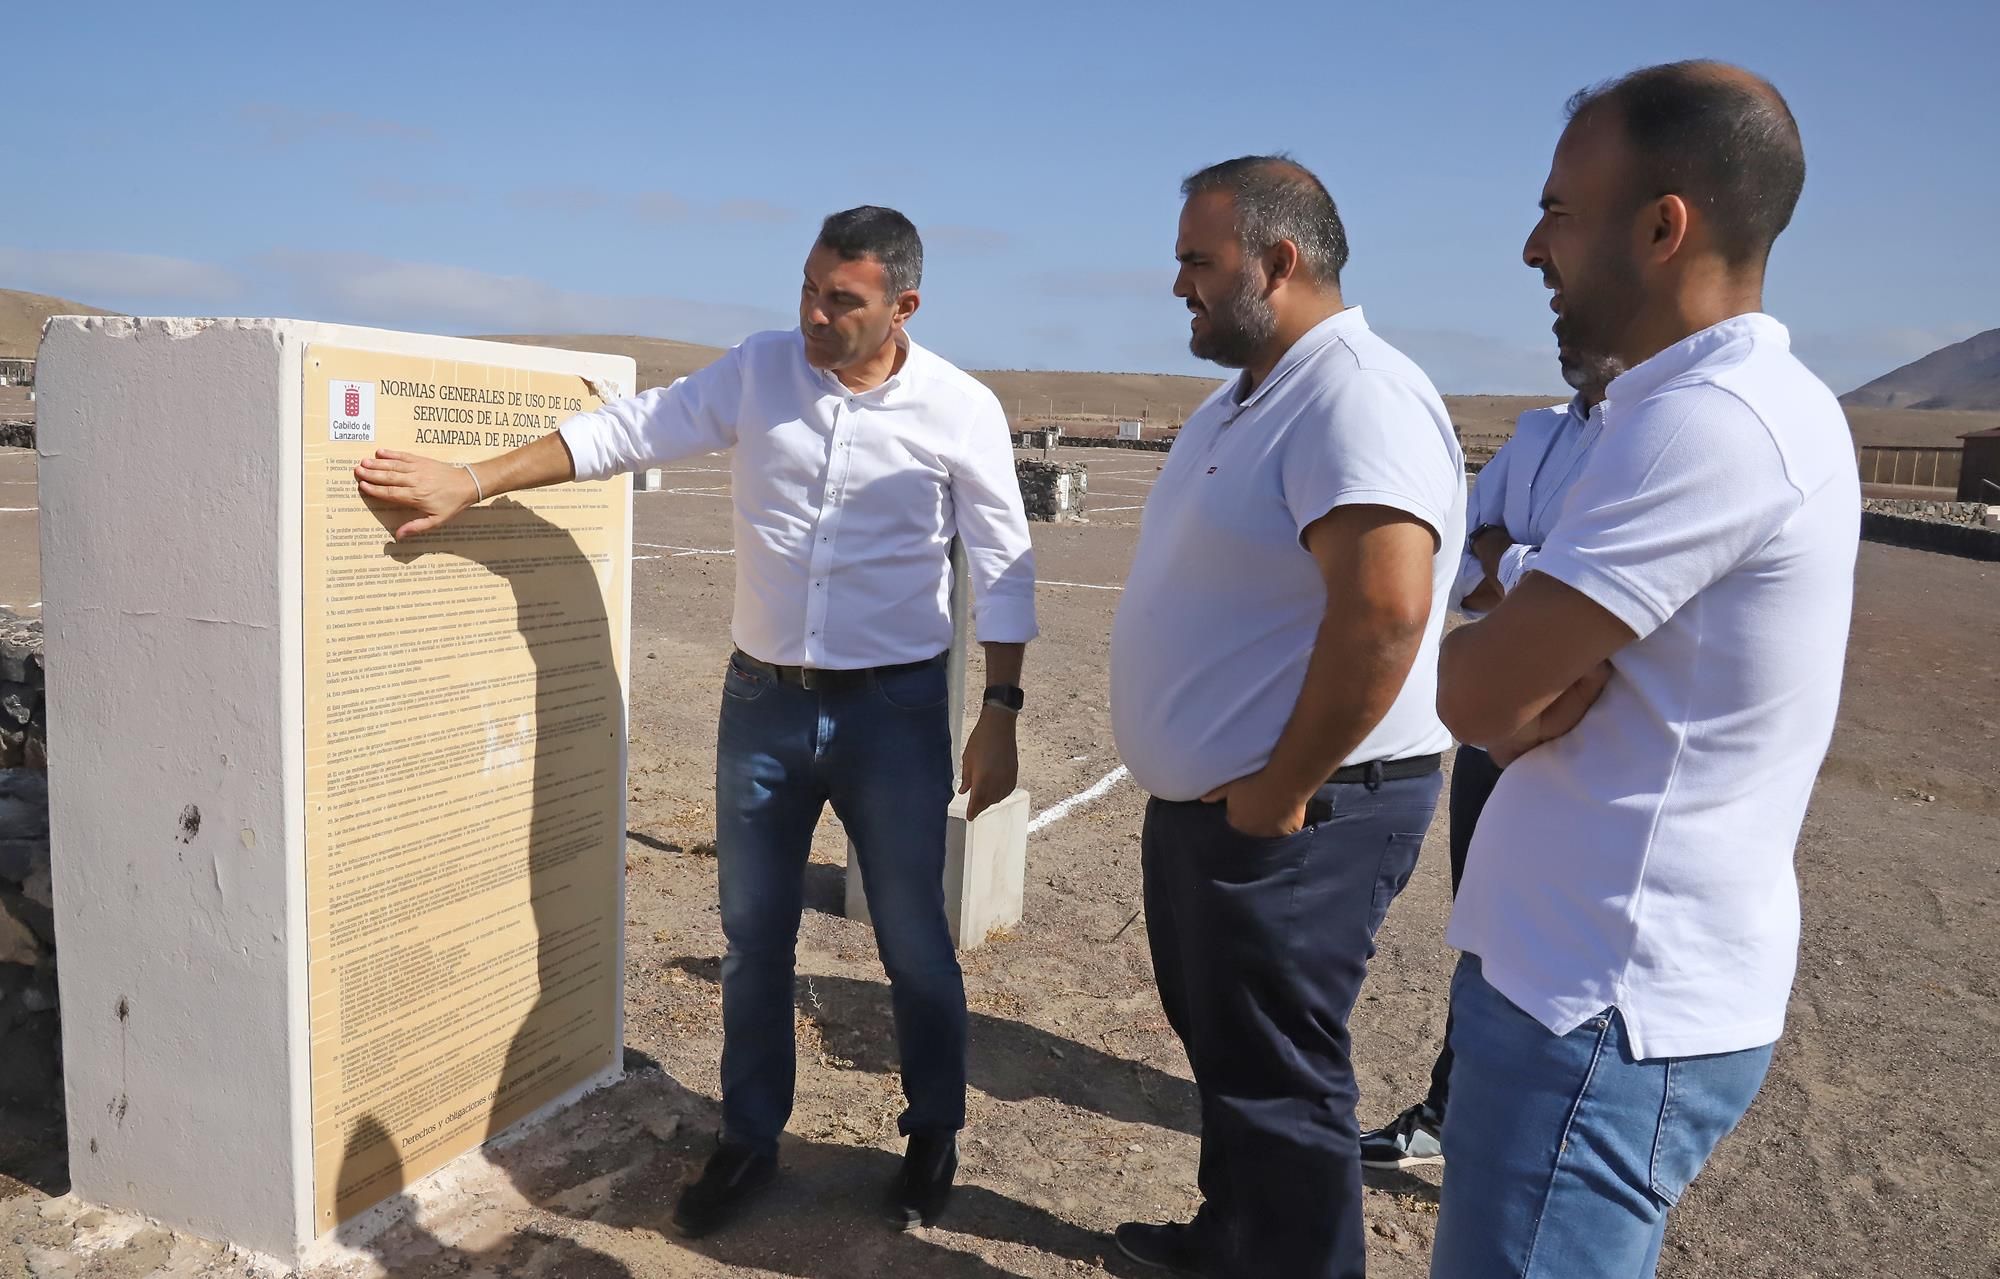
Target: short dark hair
(1717,136)
(1277,198)
(872,231)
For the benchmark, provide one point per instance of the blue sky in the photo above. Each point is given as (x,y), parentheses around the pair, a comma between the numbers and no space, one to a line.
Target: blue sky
(660,168)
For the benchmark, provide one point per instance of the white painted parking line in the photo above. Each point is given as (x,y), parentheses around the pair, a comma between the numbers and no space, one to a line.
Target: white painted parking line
(17,510)
(1050,816)
(1106,510)
(1081,586)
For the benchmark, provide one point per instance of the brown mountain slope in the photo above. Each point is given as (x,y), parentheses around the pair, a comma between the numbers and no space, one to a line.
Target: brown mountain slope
(22,316)
(1963,376)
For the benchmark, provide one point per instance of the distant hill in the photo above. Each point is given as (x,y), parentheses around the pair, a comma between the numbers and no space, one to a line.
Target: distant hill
(1089,402)
(1963,376)
(660,360)
(22,316)
(1025,393)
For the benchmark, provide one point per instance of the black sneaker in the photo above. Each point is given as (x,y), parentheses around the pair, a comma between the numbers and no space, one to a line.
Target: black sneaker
(1174,1246)
(923,1185)
(1409,1139)
(734,1173)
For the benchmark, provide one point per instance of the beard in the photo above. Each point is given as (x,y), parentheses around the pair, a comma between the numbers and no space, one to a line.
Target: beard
(1595,317)
(1588,372)
(1238,329)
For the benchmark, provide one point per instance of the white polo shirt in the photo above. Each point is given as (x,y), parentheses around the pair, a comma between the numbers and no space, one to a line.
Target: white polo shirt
(1644,860)
(1223,604)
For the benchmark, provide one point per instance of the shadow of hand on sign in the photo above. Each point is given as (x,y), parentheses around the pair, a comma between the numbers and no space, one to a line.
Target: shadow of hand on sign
(404,1247)
(526,938)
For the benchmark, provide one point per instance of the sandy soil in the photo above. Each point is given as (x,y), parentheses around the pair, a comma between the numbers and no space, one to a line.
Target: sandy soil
(1870,1152)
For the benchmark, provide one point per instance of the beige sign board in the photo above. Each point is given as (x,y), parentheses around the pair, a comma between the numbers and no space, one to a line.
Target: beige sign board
(465,770)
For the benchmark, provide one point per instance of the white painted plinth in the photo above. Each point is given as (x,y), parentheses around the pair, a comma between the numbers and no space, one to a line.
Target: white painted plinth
(985,871)
(170,476)
(650,480)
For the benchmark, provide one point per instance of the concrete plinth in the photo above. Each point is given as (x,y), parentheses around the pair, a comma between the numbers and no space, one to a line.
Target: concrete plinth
(985,871)
(336,821)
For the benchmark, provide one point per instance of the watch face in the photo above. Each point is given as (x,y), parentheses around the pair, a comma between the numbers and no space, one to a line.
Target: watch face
(1007,696)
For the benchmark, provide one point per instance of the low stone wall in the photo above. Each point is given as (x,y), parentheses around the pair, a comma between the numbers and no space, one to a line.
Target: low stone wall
(1970,541)
(30,1066)
(1052,490)
(1972,513)
(17,435)
(1033,440)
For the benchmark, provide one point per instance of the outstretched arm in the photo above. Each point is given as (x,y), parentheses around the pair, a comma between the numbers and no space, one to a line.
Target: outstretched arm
(436,491)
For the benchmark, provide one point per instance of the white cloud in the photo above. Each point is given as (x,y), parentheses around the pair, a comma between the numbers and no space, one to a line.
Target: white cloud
(427,295)
(969,241)
(282,126)
(111,279)
(1152,286)
(1461,363)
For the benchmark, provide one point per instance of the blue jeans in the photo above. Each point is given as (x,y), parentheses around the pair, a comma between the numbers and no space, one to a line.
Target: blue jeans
(1259,947)
(880,753)
(1562,1152)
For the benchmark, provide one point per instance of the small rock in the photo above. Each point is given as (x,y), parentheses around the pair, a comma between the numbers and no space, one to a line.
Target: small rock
(18,944)
(39,889)
(1136,1149)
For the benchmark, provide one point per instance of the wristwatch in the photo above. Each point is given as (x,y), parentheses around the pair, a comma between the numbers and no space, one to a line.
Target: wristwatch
(1008,697)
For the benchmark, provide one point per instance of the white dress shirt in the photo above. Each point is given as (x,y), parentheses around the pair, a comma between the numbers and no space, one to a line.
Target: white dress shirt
(1522,489)
(845,502)
(1223,603)
(1643,861)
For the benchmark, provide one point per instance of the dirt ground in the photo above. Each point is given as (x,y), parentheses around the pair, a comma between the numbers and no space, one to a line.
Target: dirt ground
(1871,1151)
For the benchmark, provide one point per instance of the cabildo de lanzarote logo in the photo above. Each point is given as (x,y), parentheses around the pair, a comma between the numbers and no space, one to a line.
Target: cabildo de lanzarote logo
(351,412)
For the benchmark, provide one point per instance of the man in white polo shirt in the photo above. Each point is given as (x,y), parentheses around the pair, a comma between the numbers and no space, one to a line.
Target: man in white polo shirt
(857,456)
(1664,682)
(1273,685)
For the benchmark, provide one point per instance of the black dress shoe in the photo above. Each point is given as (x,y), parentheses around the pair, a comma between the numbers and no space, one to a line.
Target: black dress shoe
(923,1185)
(1175,1247)
(734,1173)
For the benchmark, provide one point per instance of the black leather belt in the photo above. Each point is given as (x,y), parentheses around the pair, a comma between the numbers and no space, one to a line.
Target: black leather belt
(814,679)
(1377,771)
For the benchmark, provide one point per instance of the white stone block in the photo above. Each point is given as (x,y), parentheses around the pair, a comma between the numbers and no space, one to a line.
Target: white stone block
(985,871)
(650,480)
(174,529)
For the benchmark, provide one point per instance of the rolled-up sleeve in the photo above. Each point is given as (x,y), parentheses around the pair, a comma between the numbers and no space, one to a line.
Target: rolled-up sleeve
(992,525)
(695,415)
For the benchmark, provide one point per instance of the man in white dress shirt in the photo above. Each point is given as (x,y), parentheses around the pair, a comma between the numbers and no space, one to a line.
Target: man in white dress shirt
(1513,504)
(857,457)
(1664,681)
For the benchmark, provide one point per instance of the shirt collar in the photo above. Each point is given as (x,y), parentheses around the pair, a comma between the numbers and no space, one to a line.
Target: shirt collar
(1642,380)
(912,354)
(1337,325)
